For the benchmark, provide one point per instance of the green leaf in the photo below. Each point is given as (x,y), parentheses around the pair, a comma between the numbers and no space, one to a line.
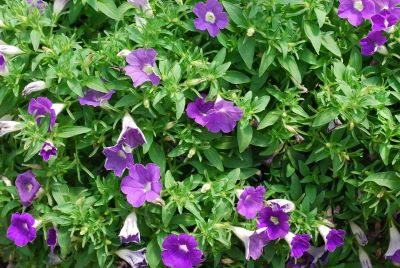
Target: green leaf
(168,212)
(35,39)
(244,137)
(313,33)
(157,155)
(235,77)
(235,13)
(266,60)
(153,253)
(101,257)
(329,43)
(355,60)
(325,117)
(179,104)
(269,119)
(290,64)
(169,180)
(75,86)
(321,16)
(214,158)
(108,8)
(71,131)
(96,84)
(246,48)
(388,179)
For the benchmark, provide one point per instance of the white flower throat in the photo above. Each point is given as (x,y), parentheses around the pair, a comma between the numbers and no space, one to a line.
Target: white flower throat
(358,5)
(148,69)
(210,17)
(184,248)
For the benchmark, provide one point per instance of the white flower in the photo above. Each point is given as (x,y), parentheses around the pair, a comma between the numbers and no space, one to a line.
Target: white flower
(134,258)
(33,87)
(124,53)
(130,232)
(364,259)
(58,107)
(393,252)
(59,5)
(285,205)
(9,126)
(10,50)
(254,241)
(359,234)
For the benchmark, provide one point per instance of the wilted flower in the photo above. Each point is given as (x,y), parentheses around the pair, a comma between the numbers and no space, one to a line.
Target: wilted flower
(223,116)
(251,201)
(59,5)
(276,221)
(198,110)
(180,251)
(299,244)
(211,17)
(95,98)
(40,107)
(384,21)
(372,43)
(27,187)
(356,10)
(141,64)
(33,87)
(48,150)
(131,135)
(142,184)
(52,238)
(135,259)
(130,232)
(7,126)
(283,204)
(21,229)
(333,238)
(3,65)
(10,50)
(117,159)
(359,234)
(254,241)
(364,258)
(393,252)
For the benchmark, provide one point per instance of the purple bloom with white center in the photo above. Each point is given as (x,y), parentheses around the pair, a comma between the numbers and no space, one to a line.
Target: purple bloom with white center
(372,43)
(210,17)
(254,241)
(283,204)
(355,11)
(131,135)
(333,238)
(390,5)
(198,110)
(384,21)
(223,116)
(135,258)
(52,238)
(276,221)
(141,64)
(41,107)
(393,252)
(21,229)
(27,187)
(117,159)
(48,150)
(180,251)
(251,201)
(95,98)
(299,244)
(142,184)
(130,232)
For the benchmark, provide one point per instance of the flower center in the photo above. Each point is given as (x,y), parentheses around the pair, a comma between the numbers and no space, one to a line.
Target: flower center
(148,187)
(210,17)
(47,148)
(29,187)
(25,226)
(274,220)
(183,248)
(121,154)
(358,5)
(148,69)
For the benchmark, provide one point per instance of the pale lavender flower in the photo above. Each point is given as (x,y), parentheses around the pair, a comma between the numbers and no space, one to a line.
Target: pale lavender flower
(48,150)
(135,258)
(37,4)
(393,252)
(333,238)
(390,5)
(359,234)
(180,251)
(384,21)
(27,187)
(141,64)
(130,232)
(95,98)
(299,244)
(33,87)
(210,17)
(52,238)
(131,135)
(251,201)
(59,5)
(8,126)
(198,110)
(21,229)
(364,258)
(117,159)
(254,241)
(355,11)
(223,116)
(9,49)
(372,43)
(41,107)
(275,220)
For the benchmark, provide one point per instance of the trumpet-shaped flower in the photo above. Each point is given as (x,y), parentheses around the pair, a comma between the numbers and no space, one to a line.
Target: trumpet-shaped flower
(130,232)
(27,187)
(275,220)
(333,238)
(135,258)
(254,241)
(299,244)
(33,87)
(52,238)
(117,159)
(355,11)
(47,150)
(180,251)
(21,229)
(210,17)
(131,135)
(393,252)
(95,98)
(141,64)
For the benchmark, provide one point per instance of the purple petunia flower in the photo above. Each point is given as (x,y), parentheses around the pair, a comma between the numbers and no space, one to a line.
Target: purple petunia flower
(38,4)
(393,252)
(3,65)
(27,187)
(48,150)
(117,159)
(211,17)
(21,229)
(52,238)
(223,117)
(355,11)
(95,98)
(180,251)
(390,5)
(141,64)
(40,107)
(130,232)
(135,258)
(384,21)
(276,221)
(372,43)
(333,238)
(251,201)
(198,110)
(131,135)
(254,241)
(299,244)
(311,259)
(142,184)
(283,204)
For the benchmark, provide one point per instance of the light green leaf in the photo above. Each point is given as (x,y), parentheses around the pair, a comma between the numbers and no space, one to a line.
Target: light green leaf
(388,179)
(325,117)
(244,137)
(329,43)
(246,48)
(35,39)
(235,77)
(214,158)
(266,60)
(313,33)
(71,131)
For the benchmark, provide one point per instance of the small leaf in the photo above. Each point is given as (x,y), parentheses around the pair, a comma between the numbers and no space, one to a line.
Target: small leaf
(75,86)
(179,104)
(157,155)
(235,77)
(235,13)
(269,119)
(214,158)
(246,49)
(329,43)
(244,137)
(153,253)
(266,60)
(168,212)
(70,131)
(290,64)
(35,39)
(325,117)
(388,179)
(313,33)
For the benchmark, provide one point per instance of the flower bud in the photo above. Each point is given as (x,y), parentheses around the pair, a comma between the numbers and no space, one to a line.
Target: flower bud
(206,187)
(9,126)
(124,53)
(2,25)
(382,50)
(359,234)
(250,31)
(59,5)
(33,87)
(10,50)
(191,153)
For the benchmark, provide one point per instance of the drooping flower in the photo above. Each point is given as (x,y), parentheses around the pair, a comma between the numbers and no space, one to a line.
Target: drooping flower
(131,135)
(180,251)
(10,50)
(198,110)
(210,17)
(48,150)
(21,229)
(52,238)
(276,221)
(3,65)
(41,107)
(359,234)
(333,238)
(59,5)
(135,258)
(141,64)
(95,98)
(372,43)
(393,252)
(254,241)
(37,4)
(384,21)
(223,116)
(27,187)
(33,87)
(142,184)
(8,126)
(355,11)
(117,159)
(130,232)
(299,244)
(364,258)
(283,204)
(251,201)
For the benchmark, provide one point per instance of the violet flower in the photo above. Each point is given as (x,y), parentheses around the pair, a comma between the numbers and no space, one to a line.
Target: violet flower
(117,159)
(21,229)
(131,135)
(390,5)
(283,204)
(372,43)
(130,232)
(198,110)
(299,244)
(223,116)
(384,21)
(393,252)
(52,238)
(95,98)
(333,238)
(254,241)
(210,17)
(251,201)
(135,258)
(37,4)
(33,87)
(41,107)
(3,65)
(355,11)
(142,184)
(48,150)
(27,187)
(276,221)
(359,234)
(141,64)
(180,251)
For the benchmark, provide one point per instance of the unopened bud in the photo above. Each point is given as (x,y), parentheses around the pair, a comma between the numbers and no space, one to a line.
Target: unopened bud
(159,201)
(250,31)
(291,130)
(169,125)
(59,5)
(33,87)
(58,107)
(299,138)
(124,53)
(206,187)
(382,50)
(146,103)
(191,153)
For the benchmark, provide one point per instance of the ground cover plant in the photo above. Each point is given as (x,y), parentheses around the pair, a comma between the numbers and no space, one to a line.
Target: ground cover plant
(185,133)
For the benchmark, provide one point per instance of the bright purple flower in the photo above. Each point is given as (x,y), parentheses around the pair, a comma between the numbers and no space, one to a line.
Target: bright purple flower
(117,159)
(223,117)
(333,238)
(142,184)
(372,42)
(52,238)
(384,21)
(299,244)
(180,251)
(211,17)
(131,135)
(254,241)
(390,5)
(41,107)
(251,201)
(276,221)
(3,64)
(198,110)
(21,229)
(95,98)
(130,232)
(141,64)
(393,252)
(283,204)
(355,11)
(48,150)
(38,4)
(27,187)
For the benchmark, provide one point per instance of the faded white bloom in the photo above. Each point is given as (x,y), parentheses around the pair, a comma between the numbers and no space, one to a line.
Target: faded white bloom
(10,50)
(254,241)
(33,87)
(284,204)
(205,188)
(124,53)
(393,252)
(130,232)
(134,258)
(9,126)
(6,181)
(58,107)
(359,234)
(59,5)
(364,258)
